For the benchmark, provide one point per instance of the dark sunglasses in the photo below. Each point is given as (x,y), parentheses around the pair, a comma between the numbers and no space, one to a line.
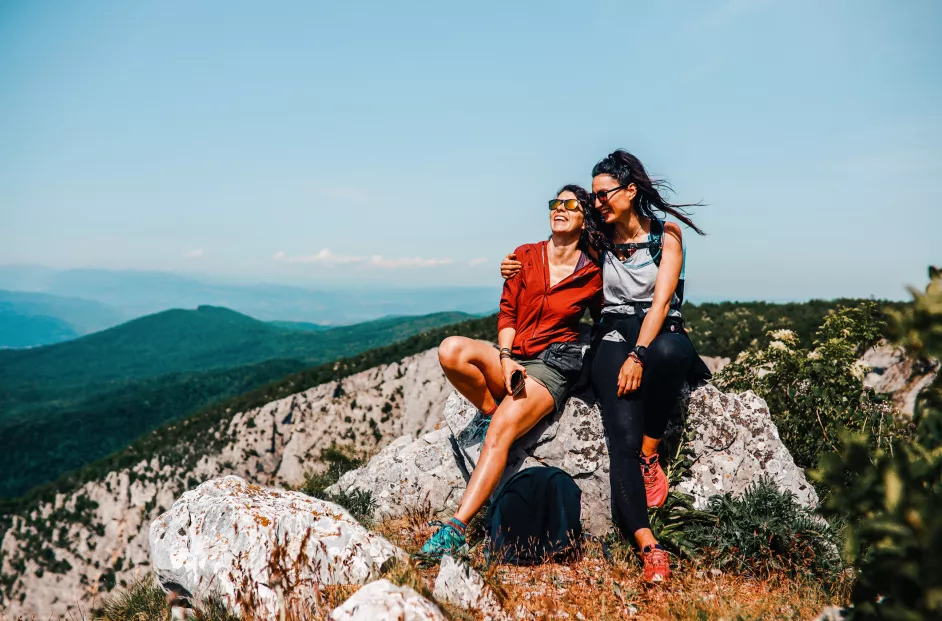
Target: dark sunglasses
(602,195)
(570,204)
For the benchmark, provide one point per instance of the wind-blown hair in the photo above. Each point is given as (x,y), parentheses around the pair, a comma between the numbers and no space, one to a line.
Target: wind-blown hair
(626,168)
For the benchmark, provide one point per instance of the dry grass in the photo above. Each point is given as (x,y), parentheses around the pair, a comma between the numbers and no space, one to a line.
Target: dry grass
(594,589)
(589,589)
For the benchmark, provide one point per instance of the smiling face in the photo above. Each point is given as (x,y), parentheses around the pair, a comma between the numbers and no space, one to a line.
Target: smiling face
(618,202)
(564,221)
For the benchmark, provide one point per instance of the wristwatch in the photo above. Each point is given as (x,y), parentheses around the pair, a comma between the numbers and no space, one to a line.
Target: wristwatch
(641,352)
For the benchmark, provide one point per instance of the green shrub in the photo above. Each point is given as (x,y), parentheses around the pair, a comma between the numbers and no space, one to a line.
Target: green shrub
(765,532)
(893,500)
(815,393)
(339,460)
(143,600)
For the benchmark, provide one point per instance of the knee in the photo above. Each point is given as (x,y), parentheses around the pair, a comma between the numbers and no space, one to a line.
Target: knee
(450,352)
(500,435)
(665,352)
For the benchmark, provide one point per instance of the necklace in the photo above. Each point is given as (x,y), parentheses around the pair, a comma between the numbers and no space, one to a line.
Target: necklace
(631,238)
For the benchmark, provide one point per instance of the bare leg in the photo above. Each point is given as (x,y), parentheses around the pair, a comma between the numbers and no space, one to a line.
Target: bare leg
(513,418)
(645,538)
(473,368)
(649,445)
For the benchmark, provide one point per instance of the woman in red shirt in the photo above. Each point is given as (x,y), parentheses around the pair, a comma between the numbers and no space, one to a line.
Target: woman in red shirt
(538,326)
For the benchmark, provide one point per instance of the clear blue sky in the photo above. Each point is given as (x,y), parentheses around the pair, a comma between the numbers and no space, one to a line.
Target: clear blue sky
(416,143)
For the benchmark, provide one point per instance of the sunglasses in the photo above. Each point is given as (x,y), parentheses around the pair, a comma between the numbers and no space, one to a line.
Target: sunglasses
(602,195)
(570,204)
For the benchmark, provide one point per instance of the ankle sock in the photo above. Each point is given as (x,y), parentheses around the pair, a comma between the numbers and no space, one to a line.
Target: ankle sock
(457,525)
(656,546)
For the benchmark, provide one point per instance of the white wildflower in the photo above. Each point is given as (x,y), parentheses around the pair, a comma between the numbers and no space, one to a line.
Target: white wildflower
(785,335)
(778,345)
(814,355)
(860,369)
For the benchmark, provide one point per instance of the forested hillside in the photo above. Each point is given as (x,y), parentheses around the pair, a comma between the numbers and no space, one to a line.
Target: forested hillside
(65,405)
(727,328)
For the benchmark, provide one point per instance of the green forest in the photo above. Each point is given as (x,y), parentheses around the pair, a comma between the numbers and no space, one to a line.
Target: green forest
(728,328)
(65,405)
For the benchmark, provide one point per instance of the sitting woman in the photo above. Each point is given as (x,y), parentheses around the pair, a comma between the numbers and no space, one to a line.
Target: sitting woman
(641,356)
(538,323)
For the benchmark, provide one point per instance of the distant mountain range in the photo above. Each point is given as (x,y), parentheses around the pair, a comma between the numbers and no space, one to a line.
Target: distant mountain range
(126,294)
(66,404)
(30,319)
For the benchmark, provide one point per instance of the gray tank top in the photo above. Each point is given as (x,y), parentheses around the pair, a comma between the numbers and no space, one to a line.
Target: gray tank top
(631,281)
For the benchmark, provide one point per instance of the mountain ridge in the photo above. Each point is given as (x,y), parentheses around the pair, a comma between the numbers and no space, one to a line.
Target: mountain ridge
(68,404)
(83,535)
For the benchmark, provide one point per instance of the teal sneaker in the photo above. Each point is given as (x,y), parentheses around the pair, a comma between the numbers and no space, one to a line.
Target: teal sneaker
(474,433)
(446,540)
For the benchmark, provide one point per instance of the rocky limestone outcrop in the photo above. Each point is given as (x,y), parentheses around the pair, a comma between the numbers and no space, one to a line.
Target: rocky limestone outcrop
(734,443)
(891,371)
(458,584)
(63,553)
(381,600)
(227,538)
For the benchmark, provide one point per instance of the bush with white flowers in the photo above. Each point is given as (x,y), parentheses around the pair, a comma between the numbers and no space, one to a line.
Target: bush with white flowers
(814,393)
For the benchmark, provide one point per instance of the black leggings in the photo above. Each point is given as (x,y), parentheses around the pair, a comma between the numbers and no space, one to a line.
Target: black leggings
(643,412)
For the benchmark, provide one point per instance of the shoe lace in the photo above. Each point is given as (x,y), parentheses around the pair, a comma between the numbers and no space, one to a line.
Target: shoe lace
(441,535)
(649,472)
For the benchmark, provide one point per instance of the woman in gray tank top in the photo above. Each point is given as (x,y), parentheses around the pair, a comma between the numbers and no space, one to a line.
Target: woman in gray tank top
(640,356)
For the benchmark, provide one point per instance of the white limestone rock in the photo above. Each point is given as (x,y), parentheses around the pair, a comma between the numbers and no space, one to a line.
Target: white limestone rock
(736,443)
(572,441)
(410,473)
(458,584)
(221,537)
(381,600)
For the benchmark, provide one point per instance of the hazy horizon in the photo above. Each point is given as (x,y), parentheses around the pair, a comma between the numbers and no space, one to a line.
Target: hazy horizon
(364,144)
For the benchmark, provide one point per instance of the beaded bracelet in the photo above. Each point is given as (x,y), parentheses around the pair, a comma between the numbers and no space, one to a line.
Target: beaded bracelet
(636,358)
(505,353)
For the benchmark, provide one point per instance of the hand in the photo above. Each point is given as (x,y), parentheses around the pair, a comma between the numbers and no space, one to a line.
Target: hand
(510,266)
(629,377)
(509,365)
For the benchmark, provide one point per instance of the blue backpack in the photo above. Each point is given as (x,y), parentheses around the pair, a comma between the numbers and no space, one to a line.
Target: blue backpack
(535,518)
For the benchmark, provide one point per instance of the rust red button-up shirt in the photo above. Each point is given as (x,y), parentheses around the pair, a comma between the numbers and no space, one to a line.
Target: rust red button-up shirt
(542,314)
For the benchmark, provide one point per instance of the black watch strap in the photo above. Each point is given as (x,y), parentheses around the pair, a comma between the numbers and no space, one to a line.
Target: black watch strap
(641,352)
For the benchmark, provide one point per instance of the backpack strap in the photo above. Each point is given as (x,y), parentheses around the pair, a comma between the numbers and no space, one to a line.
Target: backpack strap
(654,245)
(657,240)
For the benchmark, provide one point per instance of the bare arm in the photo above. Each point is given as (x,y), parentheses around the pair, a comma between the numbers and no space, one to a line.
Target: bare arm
(668,275)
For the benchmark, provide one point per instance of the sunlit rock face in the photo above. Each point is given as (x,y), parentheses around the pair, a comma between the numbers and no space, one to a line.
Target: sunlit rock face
(229,539)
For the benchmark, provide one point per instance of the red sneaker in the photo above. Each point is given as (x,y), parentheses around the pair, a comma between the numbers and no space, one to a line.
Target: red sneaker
(657,564)
(655,481)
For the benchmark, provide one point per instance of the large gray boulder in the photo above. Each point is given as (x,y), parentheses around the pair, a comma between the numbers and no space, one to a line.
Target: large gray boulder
(734,444)
(572,441)
(383,600)
(410,473)
(228,537)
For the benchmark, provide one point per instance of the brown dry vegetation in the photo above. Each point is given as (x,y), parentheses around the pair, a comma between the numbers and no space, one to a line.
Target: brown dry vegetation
(593,588)
(589,589)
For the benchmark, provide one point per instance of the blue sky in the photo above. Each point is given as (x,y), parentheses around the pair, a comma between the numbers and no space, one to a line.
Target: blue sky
(352,143)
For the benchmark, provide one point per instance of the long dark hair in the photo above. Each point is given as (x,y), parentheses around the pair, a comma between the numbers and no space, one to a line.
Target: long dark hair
(585,199)
(626,168)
